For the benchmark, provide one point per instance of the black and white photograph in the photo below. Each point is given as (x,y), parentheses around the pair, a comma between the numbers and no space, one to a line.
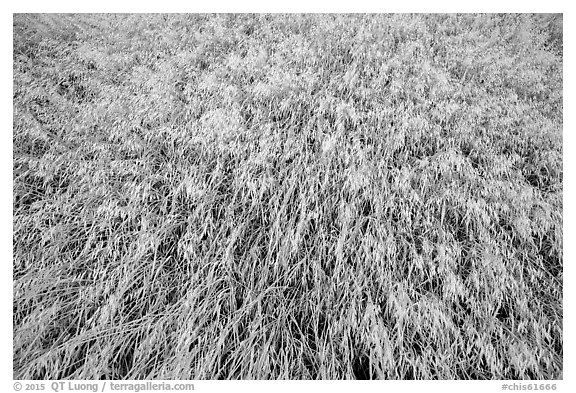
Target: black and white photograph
(287,196)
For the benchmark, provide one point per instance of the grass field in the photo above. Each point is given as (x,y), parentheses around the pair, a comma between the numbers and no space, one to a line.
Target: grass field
(287,196)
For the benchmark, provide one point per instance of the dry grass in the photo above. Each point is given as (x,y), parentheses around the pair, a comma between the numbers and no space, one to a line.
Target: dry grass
(367,196)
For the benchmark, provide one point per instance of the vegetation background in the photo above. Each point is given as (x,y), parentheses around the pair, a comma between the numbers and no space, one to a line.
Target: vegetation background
(287,196)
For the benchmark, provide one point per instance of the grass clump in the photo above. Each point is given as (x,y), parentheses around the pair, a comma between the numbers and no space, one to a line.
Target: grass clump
(287,196)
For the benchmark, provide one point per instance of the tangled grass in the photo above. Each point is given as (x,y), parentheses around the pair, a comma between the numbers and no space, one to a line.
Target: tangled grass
(287,196)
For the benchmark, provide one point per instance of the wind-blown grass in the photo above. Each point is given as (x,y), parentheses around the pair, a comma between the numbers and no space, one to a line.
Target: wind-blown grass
(287,196)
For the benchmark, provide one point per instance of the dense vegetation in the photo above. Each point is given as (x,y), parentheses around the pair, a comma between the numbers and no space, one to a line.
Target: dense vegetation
(287,196)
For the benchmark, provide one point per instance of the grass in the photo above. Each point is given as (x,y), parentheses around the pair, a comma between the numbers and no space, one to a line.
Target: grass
(287,196)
